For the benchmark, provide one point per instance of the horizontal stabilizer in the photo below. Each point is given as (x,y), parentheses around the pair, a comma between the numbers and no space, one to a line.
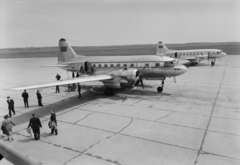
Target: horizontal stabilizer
(68,81)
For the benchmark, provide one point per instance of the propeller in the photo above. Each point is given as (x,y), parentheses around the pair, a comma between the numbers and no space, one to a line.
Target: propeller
(174,79)
(139,78)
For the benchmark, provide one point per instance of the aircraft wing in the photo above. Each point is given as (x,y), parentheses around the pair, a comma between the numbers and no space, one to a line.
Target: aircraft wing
(68,81)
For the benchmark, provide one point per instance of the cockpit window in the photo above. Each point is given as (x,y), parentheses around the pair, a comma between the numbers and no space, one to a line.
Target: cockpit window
(168,64)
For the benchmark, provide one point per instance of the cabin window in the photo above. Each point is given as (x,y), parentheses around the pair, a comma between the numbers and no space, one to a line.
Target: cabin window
(157,64)
(112,65)
(125,65)
(118,65)
(99,65)
(132,65)
(146,64)
(105,65)
(94,65)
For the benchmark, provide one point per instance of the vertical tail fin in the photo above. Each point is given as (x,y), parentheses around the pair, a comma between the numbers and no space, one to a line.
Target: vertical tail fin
(65,51)
(161,48)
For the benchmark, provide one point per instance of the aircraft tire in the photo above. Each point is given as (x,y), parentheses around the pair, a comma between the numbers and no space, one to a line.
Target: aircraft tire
(160,89)
(108,91)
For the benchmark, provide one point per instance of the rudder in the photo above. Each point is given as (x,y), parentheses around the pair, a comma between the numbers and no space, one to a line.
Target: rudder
(161,48)
(65,51)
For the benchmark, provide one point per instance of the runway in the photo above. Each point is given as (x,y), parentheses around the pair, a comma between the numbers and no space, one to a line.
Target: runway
(195,121)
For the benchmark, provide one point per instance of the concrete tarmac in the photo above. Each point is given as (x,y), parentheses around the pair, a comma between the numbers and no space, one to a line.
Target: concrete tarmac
(195,121)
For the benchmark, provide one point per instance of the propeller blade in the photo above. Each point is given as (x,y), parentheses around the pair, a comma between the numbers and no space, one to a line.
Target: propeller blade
(143,69)
(174,79)
(135,81)
(140,78)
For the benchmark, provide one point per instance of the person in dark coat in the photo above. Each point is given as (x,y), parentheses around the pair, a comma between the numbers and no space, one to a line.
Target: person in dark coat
(10,106)
(35,124)
(25,98)
(39,97)
(58,77)
(79,91)
(53,121)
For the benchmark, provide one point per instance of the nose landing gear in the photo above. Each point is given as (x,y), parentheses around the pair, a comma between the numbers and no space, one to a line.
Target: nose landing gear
(160,88)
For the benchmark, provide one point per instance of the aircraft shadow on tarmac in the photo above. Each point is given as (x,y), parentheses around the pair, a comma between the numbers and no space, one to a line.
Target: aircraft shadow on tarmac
(71,102)
(58,106)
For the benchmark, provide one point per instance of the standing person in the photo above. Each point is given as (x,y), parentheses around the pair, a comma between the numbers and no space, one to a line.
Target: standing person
(7,125)
(212,63)
(53,124)
(39,97)
(25,98)
(79,91)
(35,124)
(58,77)
(10,106)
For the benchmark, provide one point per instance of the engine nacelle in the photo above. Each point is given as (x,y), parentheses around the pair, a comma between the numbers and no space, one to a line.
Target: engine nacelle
(128,74)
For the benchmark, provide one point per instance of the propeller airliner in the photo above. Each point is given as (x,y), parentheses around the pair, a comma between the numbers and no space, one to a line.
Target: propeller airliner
(113,71)
(194,55)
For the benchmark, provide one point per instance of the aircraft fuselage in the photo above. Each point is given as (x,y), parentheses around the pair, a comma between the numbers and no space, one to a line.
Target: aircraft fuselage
(156,67)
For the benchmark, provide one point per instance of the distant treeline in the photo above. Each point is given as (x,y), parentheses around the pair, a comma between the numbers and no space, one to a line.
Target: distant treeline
(231,48)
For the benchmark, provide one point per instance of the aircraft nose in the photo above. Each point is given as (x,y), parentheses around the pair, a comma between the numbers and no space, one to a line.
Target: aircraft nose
(180,68)
(224,54)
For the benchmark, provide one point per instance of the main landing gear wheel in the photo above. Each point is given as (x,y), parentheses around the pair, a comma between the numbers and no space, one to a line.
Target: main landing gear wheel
(108,91)
(160,89)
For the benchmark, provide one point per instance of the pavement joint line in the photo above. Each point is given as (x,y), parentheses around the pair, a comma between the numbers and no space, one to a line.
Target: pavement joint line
(225,133)
(125,126)
(162,109)
(108,137)
(85,117)
(209,121)
(164,116)
(75,108)
(116,133)
(145,120)
(209,153)
(153,141)
(227,118)
(72,158)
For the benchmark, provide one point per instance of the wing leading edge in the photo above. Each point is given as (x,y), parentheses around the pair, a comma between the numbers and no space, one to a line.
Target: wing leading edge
(70,81)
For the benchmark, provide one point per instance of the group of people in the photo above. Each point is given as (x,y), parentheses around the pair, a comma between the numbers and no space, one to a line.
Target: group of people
(34,123)
(70,87)
(25,96)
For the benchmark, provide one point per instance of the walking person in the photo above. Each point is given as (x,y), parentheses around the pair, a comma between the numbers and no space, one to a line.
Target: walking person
(79,91)
(39,97)
(10,106)
(53,123)
(25,98)
(212,63)
(7,125)
(58,77)
(35,124)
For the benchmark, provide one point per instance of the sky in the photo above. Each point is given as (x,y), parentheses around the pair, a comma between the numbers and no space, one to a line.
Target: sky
(40,23)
